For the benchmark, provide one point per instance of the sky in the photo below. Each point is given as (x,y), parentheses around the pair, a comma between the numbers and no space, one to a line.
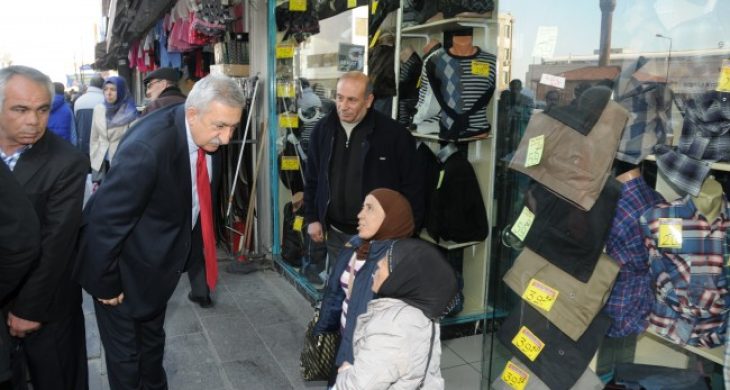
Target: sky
(692,24)
(50,35)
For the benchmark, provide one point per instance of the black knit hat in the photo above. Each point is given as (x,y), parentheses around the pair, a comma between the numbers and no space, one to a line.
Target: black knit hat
(169,74)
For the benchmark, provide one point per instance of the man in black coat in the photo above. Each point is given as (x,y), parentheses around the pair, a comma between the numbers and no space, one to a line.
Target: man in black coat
(161,89)
(139,225)
(44,313)
(353,151)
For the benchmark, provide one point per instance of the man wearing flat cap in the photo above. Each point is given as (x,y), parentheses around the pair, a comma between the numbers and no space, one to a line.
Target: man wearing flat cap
(161,89)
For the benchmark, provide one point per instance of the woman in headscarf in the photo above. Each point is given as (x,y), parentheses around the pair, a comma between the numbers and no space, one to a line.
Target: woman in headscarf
(396,342)
(109,123)
(385,216)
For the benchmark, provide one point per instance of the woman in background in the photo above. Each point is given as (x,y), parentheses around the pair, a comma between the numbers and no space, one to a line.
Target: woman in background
(109,123)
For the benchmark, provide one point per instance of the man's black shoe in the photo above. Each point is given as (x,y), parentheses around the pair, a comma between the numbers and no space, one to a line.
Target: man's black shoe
(204,302)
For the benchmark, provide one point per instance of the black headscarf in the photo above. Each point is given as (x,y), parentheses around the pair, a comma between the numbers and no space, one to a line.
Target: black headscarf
(420,277)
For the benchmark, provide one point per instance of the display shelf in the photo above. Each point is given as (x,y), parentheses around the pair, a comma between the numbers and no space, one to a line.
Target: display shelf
(718,166)
(462,318)
(448,245)
(715,355)
(448,24)
(435,137)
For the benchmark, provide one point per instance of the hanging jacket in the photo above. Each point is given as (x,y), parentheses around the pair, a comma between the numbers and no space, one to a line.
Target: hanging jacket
(456,211)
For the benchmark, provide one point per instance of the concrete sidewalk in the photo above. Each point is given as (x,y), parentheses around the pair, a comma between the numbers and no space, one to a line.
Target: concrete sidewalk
(250,339)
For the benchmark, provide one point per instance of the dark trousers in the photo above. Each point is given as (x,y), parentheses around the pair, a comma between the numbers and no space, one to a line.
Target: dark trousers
(55,356)
(134,349)
(335,241)
(196,275)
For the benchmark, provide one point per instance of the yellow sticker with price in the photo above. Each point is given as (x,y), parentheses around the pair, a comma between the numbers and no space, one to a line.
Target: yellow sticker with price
(297,5)
(670,232)
(298,223)
(514,376)
(480,68)
(723,82)
(285,89)
(285,51)
(289,121)
(523,224)
(528,343)
(534,150)
(540,294)
(374,7)
(351,4)
(289,163)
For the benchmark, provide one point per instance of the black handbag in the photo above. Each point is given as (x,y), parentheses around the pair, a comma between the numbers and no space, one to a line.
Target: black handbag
(318,353)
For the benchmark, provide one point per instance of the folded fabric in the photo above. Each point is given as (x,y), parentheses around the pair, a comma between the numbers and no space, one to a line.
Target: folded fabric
(567,236)
(588,381)
(657,377)
(573,165)
(576,304)
(561,361)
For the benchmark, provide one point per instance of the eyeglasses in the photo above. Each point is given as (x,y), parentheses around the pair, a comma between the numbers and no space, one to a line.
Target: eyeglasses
(152,82)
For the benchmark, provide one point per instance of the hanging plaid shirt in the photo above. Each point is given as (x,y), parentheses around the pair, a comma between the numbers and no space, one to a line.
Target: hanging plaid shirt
(650,106)
(705,138)
(11,159)
(631,297)
(689,282)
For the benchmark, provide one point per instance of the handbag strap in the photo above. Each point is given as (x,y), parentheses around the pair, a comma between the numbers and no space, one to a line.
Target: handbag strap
(430,352)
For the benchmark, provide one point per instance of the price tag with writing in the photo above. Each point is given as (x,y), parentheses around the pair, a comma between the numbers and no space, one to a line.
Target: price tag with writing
(284,51)
(670,232)
(540,294)
(351,3)
(285,89)
(514,376)
(298,223)
(289,121)
(480,68)
(289,163)
(723,82)
(297,5)
(528,343)
(534,150)
(522,226)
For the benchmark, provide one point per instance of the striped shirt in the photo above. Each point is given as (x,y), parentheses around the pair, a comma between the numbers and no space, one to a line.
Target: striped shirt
(11,159)
(345,283)
(689,282)
(462,86)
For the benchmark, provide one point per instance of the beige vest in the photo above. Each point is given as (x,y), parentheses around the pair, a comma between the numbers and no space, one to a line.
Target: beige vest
(573,165)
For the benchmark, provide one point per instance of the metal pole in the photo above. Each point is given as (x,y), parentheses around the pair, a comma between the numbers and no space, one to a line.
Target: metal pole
(243,145)
(273,125)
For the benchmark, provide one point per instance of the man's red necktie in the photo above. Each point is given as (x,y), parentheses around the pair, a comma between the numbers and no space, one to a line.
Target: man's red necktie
(206,221)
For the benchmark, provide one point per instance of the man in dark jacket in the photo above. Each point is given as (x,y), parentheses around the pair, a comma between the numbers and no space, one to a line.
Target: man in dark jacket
(161,89)
(353,151)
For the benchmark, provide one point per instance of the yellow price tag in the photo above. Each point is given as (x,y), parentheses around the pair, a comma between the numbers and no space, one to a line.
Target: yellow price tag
(534,150)
(298,223)
(288,121)
(670,232)
(540,294)
(480,68)
(723,82)
(523,223)
(441,179)
(297,5)
(285,89)
(289,163)
(514,376)
(528,343)
(374,7)
(284,51)
(351,3)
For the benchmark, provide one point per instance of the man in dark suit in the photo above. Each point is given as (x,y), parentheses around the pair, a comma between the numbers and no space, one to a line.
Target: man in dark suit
(44,313)
(138,226)
(20,240)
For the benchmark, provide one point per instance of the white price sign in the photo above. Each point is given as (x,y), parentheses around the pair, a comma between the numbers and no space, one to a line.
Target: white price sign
(553,81)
